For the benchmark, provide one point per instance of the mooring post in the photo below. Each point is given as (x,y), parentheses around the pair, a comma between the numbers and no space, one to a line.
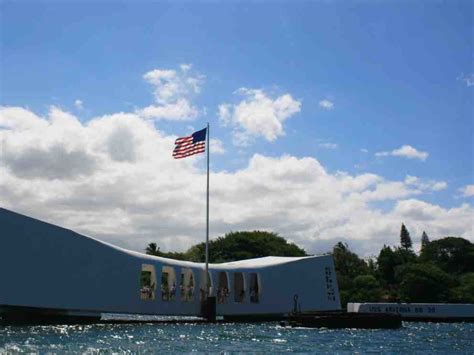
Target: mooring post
(208,309)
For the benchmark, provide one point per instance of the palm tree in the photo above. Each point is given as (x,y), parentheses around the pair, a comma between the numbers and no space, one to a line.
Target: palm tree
(153,249)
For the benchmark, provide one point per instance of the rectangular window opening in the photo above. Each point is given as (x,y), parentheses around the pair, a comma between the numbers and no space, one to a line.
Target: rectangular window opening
(254,288)
(147,282)
(186,285)
(168,284)
(223,288)
(239,287)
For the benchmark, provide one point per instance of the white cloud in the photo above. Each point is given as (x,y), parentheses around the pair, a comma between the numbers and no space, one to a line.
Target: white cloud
(114,178)
(388,190)
(439,185)
(328,145)
(364,150)
(185,67)
(180,110)
(173,90)
(467,78)
(326,104)
(431,185)
(467,191)
(406,151)
(436,217)
(79,104)
(19,119)
(258,115)
(217,147)
(224,114)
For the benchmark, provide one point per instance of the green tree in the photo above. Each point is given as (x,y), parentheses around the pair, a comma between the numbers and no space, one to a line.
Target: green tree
(451,254)
(153,249)
(348,263)
(424,240)
(405,239)
(348,267)
(405,256)
(387,261)
(464,292)
(372,264)
(423,283)
(365,288)
(244,245)
(197,253)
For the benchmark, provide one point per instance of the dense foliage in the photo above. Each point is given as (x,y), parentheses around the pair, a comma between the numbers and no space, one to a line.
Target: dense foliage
(235,246)
(442,272)
(451,254)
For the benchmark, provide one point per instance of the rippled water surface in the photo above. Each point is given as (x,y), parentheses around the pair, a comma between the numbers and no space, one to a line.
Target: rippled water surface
(264,337)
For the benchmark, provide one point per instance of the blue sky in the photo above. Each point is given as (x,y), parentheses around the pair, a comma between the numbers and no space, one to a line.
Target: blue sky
(395,73)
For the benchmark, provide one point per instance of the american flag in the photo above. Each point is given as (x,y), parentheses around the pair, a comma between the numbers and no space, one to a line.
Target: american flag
(190,145)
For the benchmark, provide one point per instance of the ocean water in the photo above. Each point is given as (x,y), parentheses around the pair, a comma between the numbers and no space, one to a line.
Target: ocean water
(230,338)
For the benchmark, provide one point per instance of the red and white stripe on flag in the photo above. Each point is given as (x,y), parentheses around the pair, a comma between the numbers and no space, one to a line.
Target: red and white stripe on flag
(185,147)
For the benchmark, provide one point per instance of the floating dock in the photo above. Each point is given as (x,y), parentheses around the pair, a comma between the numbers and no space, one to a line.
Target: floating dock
(335,320)
(418,312)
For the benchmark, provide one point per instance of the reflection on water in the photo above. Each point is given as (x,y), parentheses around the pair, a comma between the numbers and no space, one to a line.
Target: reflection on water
(265,337)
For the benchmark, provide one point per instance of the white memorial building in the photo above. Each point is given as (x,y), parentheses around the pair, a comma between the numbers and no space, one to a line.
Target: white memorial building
(46,267)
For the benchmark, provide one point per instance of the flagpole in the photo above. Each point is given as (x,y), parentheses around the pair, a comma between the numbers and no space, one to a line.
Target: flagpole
(207,214)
